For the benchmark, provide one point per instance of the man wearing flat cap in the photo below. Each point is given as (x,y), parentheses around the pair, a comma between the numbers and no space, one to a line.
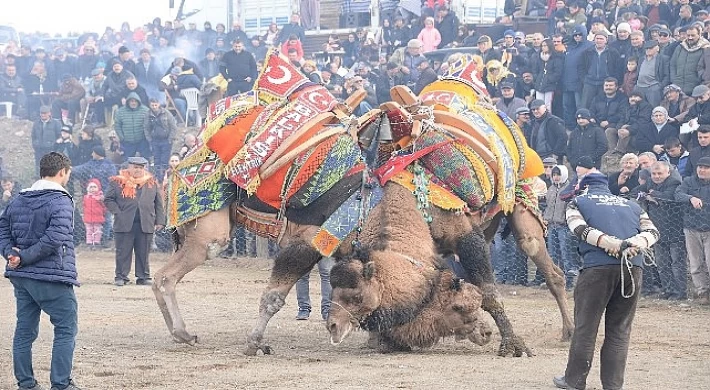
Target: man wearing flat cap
(653,73)
(135,202)
(44,134)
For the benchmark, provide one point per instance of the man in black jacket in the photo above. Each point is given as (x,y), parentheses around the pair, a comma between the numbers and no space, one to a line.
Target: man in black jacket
(238,67)
(596,65)
(293,28)
(448,26)
(548,137)
(45,133)
(699,113)
(391,78)
(698,152)
(587,139)
(609,110)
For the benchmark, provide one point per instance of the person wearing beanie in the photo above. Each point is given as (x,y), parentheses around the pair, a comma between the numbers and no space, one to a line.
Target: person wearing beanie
(65,144)
(125,57)
(622,44)
(587,139)
(609,228)
(652,138)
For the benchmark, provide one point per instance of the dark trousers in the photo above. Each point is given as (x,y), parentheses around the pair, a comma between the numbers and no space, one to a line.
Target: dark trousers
(570,101)
(59,302)
(131,148)
(235,87)
(72,106)
(672,268)
(589,92)
(161,157)
(598,291)
(127,244)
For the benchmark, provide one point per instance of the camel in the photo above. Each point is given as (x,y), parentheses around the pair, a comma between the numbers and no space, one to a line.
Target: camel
(402,293)
(454,233)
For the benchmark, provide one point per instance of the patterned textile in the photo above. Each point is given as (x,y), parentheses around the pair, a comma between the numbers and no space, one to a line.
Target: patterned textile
(518,137)
(199,173)
(305,166)
(453,168)
(186,204)
(343,156)
(465,70)
(278,79)
(219,107)
(230,138)
(438,196)
(262,224)
(343,221)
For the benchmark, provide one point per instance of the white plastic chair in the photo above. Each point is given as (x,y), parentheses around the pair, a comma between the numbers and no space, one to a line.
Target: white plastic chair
(191,96)
(8,108)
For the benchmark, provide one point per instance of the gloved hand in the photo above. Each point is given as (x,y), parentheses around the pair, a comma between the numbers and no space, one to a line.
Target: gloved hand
(611,245)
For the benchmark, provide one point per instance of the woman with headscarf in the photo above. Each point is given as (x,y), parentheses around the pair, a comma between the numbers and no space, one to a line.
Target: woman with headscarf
(652,138)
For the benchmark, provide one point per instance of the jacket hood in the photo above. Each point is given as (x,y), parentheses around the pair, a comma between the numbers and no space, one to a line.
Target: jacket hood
(580,29)
(134,96)
(42,184)
(39,198)
(564,174)
(702,44)
(94,181)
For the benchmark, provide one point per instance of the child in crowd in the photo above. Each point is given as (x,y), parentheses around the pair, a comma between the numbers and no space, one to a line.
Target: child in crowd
(676,154)
(630,76)
(94,213)
(559,239)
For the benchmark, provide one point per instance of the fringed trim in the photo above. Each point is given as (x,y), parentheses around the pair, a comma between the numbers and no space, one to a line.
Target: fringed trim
(483,173)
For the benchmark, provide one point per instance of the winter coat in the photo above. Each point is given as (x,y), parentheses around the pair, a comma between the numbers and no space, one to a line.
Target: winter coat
(648,136)
(238,67)
(684,104)
(426,77)
(684,67)
(638,116)
(663,10)
(695,154)
(555,210)
(611,110)
(40,222)
(587,141)
(129,123)
(115,84)
(431,38)
(86,63)
(664,214)
(160,126)
(139,90)
(448,28)
(71,90)
(594,68)
(554,132)
(209,68)
(510,107)
(94,208)
(549,73)
(663,71)
(621,46)
(694,219)
(148,199)
(611,215)
(629,83)
(82,151)
(679,162)
(149,76)
(45,134)
(631,183)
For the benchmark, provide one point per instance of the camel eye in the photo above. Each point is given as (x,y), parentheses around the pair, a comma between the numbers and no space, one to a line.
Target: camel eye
(457,307)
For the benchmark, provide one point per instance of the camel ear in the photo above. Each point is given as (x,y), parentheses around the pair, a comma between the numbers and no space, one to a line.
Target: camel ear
(368,270)
(456,284)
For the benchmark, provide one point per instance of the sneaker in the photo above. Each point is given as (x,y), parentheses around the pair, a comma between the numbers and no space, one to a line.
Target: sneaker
(120,282)
(303,314)
(144,282)
(560,382)
(71,386)
(37,386)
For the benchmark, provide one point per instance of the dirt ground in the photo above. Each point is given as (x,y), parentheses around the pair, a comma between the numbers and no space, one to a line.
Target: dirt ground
(123,342)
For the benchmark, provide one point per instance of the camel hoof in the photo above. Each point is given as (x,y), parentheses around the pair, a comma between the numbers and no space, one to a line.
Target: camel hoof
(252,350)
(514,346)
(184,338)
(567,334)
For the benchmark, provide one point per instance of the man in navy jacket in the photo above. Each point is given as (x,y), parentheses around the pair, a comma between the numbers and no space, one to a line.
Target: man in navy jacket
(37,239)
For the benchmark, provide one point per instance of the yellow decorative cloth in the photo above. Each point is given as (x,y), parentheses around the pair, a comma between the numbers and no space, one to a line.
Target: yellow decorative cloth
(438,196)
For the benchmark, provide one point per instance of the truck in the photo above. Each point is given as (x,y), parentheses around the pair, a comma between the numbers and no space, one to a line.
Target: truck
(478,11)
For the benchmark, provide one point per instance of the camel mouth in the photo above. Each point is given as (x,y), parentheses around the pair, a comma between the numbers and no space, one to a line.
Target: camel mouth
(337,337)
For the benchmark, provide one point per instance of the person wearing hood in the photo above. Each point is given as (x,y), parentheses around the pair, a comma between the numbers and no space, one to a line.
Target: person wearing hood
(658,195)
(115,85)
(622,44)
(129,125)
(571,82)
(652,138)
(587,139)
(559,239)
(676,154)
(686,58)
(609,228)
(37,239)
(622,182)
(94,213)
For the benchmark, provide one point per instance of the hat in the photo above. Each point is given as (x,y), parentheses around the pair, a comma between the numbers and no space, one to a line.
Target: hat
(664,30)
(597,20)
(45,110)
(506,84)
(509,33)
(623,27)
(414,44)
(66,77)
(176,70)
(593,178)
(535,104)
(209,50)
(122,50)
(95,72)
(655,27)
(583,113)
(650,44)
(585,162)
(549,161)
(671,87)
(99,150)
(66,128)
(661,110)
(137,161)
(700,90)
(701,12)
(703,162)
(484,38)
(520,34)
(522,111)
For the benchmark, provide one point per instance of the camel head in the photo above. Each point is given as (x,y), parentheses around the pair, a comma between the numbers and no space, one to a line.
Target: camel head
(463,315)
(356,294)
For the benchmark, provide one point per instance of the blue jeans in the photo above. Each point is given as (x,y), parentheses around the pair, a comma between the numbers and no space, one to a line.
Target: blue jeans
(561,249)
(59,302)
(131,148)
(509,264)
(302,289)
(570,101)
(161,157)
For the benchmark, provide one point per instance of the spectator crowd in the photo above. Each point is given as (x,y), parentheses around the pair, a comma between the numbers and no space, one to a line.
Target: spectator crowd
(607,82)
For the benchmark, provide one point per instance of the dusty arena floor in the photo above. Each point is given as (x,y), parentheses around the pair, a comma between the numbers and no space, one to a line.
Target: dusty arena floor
(123,342)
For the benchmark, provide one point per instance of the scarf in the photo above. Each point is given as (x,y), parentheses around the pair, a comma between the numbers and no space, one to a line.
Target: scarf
(129,184)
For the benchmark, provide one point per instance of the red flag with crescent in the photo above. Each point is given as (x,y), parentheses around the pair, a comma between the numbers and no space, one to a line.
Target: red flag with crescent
(279,77)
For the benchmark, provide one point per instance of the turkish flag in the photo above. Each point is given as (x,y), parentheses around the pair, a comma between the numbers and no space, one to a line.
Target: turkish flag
(279,77)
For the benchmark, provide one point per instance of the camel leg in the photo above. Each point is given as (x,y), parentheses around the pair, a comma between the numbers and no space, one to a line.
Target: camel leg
(472,250)
(530,238)
(292,262)
(207,234)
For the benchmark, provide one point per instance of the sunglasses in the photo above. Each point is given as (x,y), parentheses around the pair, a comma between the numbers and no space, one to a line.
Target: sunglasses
(577,35)
(664,35)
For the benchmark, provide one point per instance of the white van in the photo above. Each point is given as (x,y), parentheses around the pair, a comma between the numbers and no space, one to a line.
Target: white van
(8,34)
